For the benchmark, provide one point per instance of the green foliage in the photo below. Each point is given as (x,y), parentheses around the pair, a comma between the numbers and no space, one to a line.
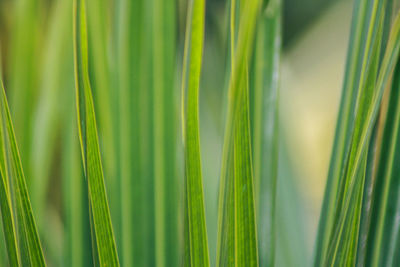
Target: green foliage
(264,119)
(104,243)
(196,244)
(237,222)
(126,57)
(348,224)
(14,187)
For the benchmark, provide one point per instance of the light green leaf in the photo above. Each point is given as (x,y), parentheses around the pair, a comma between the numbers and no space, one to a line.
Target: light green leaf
(98,203)
(196,244)
(344,235)
(27,230)
(237,238)
(264,118)
(6,204)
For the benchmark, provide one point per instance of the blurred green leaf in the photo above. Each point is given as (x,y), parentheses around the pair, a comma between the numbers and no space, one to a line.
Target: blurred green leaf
(264,118)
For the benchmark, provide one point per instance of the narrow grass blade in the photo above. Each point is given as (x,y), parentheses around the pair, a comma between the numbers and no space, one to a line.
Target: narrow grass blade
(164,124)
(237,239)
(360,48)
(27,230)
(7,215)
(384,225)
(341,249)
(196,244)
(265,125)
(127,44)
(100,77)
(99,211)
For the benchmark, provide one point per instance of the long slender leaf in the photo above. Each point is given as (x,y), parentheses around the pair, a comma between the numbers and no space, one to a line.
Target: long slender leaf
(237,240)
(384,224)
(265,126)
(6,206)
(99,210)
(27,230)
(363,31)
(342,238)
(196,244)
(164,124)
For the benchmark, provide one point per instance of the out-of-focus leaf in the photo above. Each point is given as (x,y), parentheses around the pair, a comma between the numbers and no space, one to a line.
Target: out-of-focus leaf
(264,100)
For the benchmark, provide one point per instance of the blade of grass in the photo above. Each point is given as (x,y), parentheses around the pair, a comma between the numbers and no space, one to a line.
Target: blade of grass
(237,241)
(385,224)
(265,125)
(28,233)
(195,240)
(8,223)
(164,119)
(365,130)
(344,236)
(127,138)
(99,210)
(9,229)
(100,81)
(355,66)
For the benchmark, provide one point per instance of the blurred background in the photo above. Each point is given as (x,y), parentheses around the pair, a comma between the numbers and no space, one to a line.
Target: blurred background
(36,49)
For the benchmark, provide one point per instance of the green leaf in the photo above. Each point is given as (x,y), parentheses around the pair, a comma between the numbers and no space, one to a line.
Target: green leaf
(195,241)
(6,205)
(237,238)
(363,32)
(27,230)
(384,231)
(98,203)
(344,235)
(264,104)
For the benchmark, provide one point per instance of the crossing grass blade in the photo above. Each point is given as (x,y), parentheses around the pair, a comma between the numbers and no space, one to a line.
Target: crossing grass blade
(8,223)
(195,240)
(344,234)
(102,231)
(364,26)
(264,118)
(237,238)
(384,225)
(27,230)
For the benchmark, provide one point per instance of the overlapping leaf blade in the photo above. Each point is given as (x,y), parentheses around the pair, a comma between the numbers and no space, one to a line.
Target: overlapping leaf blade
(237,238)
(6,204)
(27,231)
(384,226)
(344,245)
(102,232)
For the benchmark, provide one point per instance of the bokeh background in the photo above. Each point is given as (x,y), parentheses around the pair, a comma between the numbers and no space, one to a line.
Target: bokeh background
(315,35)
